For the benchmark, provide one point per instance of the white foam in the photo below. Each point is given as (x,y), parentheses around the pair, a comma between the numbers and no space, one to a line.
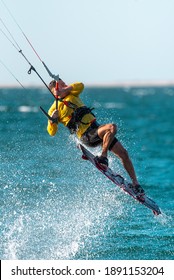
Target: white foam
(27,109)
(3,108)
(113,105)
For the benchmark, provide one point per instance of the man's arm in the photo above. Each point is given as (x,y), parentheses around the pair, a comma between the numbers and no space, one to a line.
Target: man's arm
(52,127)
(63,91)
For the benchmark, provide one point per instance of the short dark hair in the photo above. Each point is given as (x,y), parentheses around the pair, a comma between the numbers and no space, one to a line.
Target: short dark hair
(52,84)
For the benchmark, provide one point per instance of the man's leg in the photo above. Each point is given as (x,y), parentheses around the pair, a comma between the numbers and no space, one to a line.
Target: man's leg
(122,153)
(106,133)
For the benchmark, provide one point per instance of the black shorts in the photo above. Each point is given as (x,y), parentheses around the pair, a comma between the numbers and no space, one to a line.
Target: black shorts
(90,137)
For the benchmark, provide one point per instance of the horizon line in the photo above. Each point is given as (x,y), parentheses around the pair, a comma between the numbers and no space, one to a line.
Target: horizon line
(112,84)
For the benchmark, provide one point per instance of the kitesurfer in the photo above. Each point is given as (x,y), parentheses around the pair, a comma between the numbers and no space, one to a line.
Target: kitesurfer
(80,120)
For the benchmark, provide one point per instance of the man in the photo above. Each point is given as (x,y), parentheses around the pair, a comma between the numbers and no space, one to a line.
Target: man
(71,112)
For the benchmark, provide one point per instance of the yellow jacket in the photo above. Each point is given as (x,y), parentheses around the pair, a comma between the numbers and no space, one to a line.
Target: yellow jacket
(64,112)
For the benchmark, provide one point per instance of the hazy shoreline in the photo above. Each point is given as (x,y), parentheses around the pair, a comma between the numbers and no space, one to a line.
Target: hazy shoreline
(103,85)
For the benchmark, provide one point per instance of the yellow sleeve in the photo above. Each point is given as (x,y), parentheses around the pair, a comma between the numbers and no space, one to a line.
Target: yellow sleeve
(77,88)
(52,127)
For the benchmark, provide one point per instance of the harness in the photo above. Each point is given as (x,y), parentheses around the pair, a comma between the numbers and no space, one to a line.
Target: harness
(77,116)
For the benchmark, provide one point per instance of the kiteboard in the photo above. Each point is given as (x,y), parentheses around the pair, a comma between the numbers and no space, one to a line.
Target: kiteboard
(120,181)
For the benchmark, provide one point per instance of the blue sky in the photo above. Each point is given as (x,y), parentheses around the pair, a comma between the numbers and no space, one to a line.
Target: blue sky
(94,41)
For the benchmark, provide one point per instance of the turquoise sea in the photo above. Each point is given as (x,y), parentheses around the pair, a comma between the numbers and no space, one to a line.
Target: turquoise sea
(54,205)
